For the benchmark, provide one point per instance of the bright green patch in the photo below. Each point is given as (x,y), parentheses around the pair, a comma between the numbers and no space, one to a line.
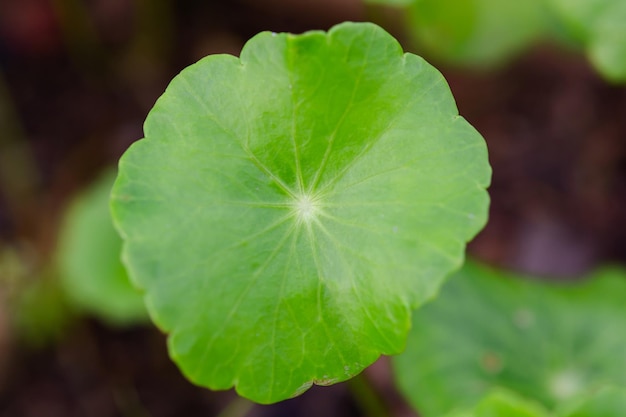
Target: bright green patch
(546,342)
(608,401)
(503,403)
(288,209)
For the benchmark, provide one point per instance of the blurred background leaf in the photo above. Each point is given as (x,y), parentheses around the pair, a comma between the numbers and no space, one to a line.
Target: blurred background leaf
(487,328)
(607,401)
(92,274)
(503,403)
(476,33)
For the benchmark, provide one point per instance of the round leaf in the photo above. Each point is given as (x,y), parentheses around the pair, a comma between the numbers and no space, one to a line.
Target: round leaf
(92,274)
(287,209)
(546,342)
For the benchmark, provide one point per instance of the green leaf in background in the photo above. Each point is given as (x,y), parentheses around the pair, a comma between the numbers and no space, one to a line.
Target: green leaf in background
(549,343)
(605,402)
(600,26)
(608,401)
(503,403)
(288,209)
(89,251)
(477,33)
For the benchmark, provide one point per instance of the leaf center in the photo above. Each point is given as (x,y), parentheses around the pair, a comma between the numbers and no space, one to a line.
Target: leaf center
(306,208)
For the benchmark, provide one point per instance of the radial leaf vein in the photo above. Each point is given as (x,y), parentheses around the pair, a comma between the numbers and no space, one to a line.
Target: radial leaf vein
(355,286)
(371,143)
(424,242)
(244,144)
(331,140)
(294,141)
(270,174)
(320,287)
(281,291)
(242,296)
(267,229)
(192,92)
(356,254)
(408,165)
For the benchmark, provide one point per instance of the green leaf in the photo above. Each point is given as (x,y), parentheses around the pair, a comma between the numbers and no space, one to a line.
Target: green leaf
(546,342)
(477,33)
(605,402)
(503,403)
(92,274)
(599,26)
(608,401)
(287,210)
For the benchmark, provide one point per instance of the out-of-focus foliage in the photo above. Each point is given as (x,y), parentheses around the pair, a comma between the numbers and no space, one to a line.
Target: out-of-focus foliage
(477,33)
(287,210)
(607,401)
(503,403)
(549,343)
(600,27)
(487,33)
(89,259)
(13,269)
(31,297)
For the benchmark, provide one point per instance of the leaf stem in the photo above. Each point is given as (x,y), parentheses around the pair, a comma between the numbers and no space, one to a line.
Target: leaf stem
(366,397)
(239,407)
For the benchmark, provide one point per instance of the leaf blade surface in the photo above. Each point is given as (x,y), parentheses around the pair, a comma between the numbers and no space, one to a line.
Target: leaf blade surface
(275,213)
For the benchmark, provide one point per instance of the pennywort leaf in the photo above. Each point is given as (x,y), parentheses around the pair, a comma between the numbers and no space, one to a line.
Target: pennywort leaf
(287,209)
(487,328)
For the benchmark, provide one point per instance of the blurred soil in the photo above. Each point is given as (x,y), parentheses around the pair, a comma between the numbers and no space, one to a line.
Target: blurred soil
(80,78)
